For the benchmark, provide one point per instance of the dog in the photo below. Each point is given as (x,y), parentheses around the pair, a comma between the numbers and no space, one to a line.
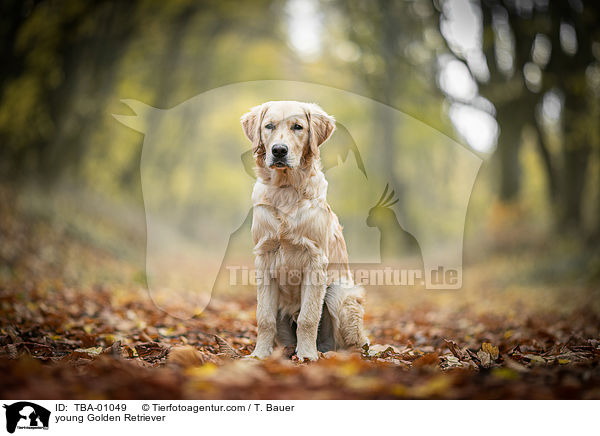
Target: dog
(306,296)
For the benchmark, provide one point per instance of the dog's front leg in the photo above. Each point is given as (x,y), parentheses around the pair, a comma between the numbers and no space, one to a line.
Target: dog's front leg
(266,316)
(312,296)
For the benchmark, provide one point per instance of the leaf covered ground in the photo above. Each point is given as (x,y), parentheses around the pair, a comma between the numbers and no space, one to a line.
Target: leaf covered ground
(517,330)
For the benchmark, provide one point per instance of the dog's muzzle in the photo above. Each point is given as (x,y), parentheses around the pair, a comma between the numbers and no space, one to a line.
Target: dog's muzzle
(279,152)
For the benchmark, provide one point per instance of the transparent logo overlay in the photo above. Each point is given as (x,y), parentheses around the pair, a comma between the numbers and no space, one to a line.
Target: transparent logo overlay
(399,187)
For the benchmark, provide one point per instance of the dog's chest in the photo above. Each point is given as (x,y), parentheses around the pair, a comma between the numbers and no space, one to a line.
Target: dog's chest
(299,227)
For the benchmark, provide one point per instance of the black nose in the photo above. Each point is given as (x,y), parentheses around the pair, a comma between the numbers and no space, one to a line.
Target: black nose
(279,150)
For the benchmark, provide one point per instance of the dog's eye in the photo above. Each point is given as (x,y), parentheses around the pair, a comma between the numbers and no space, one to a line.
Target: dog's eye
(297,127)
(270,126)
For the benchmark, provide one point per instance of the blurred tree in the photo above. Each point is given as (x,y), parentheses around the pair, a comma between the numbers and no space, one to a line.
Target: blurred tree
(395,67)
(574,28)
(532,50)
(61,58)
(64,61)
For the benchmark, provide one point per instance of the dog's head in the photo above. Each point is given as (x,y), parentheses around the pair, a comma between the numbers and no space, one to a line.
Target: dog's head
(286,134)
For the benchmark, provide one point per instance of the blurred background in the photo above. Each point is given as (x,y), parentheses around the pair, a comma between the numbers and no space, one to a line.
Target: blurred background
(517,82)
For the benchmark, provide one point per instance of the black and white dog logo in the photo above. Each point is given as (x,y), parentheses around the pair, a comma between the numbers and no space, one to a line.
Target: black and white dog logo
(26,415)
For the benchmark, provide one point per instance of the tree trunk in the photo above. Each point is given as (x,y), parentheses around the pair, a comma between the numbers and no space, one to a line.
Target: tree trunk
(509,141)
(549,169)
(576,153)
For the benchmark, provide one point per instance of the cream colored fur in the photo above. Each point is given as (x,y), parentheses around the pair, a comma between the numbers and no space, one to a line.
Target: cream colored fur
(306,295)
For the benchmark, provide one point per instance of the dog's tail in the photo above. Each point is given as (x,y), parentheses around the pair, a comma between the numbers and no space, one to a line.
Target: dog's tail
(345,306)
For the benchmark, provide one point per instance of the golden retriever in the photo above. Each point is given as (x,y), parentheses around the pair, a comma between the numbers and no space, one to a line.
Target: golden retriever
(306,294)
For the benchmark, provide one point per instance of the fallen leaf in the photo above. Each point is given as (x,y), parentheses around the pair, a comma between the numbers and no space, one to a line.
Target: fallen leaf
(186,356)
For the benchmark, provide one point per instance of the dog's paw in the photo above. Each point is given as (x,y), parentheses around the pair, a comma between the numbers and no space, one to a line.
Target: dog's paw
(260,354)
(307,354)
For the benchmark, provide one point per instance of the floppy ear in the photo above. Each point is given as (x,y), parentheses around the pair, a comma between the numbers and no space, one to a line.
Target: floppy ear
(249,121)
(251,125)
(321,126)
